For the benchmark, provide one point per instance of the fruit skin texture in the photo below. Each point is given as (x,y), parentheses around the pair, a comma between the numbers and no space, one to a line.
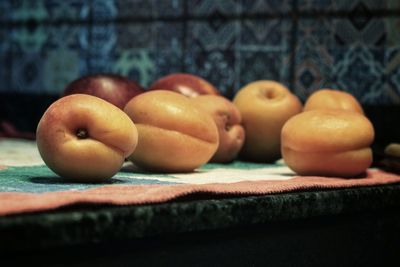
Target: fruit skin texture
(328,143)
(174,134)
(187,84)
(228,119)
(113,88)
(111,137)
(332,99)
(265,107)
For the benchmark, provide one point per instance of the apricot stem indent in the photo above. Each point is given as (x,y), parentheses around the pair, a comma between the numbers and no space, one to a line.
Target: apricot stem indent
(82,134)
(270,94)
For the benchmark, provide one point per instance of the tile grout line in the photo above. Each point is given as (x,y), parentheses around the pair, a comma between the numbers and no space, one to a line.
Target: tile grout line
(185,17)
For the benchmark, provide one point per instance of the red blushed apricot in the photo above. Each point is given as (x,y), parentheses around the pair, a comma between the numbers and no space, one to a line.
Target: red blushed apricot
(116,89)
(228,119)
(85,138)
(187,84)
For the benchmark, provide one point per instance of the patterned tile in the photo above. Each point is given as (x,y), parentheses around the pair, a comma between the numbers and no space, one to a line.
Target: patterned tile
(146,65)
(168,61)
(29,10)
(137,9)
(140,51)
(363,31)
(270,7)
(28,58)
(261,65)
(313,62)
(44,10)
(357,51)
(27,75)
(61,66)
(5,10)
(130,35)
(265,34)
(357,6)
(264,51)
(168,35)
(210,52)
(137,64)
(215,65)
(359,69)
(68,10)
(343,58)
(392,59)
(392,72)
(313,69)
(66,54)
(44,59)
(220,8)
(232,53)
(317,31)
(104,10)
(169,8)
(103,41)
(151,35)
(29,39)
(133,8)
(168,47)
(214,34)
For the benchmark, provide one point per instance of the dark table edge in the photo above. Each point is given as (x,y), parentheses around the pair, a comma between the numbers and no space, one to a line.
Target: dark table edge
(80,225)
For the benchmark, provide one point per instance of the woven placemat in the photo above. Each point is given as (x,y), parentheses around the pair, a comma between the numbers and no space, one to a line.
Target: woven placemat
(26,185)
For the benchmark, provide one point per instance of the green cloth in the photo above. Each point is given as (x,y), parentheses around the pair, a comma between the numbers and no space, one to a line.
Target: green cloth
(40,179)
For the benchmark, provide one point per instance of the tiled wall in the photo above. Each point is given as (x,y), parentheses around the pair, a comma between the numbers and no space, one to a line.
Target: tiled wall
(306,44)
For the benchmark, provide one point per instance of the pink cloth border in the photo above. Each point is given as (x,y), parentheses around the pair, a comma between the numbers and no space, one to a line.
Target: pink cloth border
(15,203)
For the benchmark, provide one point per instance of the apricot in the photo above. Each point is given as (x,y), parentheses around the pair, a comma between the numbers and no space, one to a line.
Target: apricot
(174,134)
(332,99)
(84,138)
(114,88)
(265,106)
(228,119)
(328,143)
(187,84)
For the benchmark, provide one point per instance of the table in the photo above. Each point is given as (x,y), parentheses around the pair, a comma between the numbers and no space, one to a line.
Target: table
(340,227)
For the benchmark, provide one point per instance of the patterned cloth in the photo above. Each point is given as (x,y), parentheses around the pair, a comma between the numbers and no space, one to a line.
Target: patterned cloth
(51,192)
(26,185)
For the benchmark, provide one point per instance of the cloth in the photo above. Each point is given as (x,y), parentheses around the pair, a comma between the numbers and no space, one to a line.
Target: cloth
(32,187)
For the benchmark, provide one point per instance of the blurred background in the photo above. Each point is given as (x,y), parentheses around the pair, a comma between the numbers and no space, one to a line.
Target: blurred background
(305,44)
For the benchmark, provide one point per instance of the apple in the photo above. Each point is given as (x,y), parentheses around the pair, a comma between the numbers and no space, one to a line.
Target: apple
(84,138)
(265,106)
(332,99)
(187,84)
(228,119)
(113,88)
(174,134)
